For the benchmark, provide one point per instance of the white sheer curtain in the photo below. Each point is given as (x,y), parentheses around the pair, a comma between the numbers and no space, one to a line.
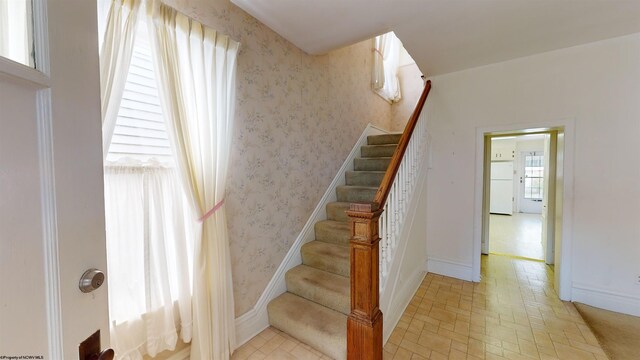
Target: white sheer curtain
(150,234)
(150,227)
(196,67)
(115,58)
(386,60)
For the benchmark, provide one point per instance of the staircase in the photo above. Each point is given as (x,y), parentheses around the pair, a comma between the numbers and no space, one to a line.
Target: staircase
(315,307)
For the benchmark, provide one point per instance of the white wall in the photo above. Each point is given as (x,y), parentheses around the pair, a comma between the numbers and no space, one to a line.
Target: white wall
(405,58)
(524,144)
(597,85)
(411,86)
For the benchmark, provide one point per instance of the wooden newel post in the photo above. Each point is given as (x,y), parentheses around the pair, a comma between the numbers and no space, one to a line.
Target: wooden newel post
(364,325)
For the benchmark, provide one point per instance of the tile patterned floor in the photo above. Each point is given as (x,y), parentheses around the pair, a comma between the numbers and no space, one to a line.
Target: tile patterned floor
(273,344)
(514,313)
(519,234)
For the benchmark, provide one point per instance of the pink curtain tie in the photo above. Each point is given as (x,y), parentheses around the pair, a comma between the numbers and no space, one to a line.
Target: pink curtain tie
(212,211)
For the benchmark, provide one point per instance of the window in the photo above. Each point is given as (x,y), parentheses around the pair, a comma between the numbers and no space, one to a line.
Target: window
(534,176)
(386,60)
(16,31)
(149,224)
(151,232)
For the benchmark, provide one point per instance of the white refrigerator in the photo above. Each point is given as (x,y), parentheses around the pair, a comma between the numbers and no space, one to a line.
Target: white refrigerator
(501,198)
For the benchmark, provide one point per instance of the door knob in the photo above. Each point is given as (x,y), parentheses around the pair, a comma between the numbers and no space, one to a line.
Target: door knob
(90,349)
(91,280)
(107,354)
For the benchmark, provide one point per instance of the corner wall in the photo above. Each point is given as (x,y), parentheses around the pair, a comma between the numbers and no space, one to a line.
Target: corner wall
(597,85)
(411,86)
(297,118)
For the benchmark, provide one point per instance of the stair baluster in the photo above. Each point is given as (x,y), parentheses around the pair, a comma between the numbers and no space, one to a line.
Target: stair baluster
(371,234)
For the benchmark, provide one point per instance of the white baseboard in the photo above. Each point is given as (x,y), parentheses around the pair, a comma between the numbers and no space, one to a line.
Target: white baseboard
(450,268)
(605,299)
(255,320)
(400,301)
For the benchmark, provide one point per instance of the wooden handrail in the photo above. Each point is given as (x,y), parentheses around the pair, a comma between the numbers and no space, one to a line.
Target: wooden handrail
(364,324)
(385,187)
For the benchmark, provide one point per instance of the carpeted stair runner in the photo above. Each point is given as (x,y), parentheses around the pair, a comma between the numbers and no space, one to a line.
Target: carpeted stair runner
(315,307)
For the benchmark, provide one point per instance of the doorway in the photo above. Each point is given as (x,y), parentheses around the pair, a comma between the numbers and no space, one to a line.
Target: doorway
(517,189)
(557,209)
(531,188)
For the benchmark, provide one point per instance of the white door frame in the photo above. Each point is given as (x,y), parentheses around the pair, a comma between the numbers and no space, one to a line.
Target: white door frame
(563,267)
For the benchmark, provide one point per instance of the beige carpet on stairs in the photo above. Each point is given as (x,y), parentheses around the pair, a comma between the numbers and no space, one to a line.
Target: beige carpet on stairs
(618,334)
(315,307)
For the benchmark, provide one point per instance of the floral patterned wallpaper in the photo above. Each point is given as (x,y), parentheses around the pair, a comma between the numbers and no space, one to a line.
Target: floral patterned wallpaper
(297,118)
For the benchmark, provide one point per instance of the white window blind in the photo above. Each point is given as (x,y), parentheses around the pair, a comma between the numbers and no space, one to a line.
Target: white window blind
(140,132)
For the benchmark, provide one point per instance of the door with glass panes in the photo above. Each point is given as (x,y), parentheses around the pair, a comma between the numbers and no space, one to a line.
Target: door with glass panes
(51,198)
(531,182)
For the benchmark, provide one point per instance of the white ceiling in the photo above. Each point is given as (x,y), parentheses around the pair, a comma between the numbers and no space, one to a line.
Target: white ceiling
(449,35)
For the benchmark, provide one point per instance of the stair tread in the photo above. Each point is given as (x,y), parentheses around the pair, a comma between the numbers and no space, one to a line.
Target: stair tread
(381,146)
(335,224)
(344,204)
(378,151)
(315,325)
(339,204)
(359,187)
(364,178)
(356,193)
(322,287)
(332,231)
(336,210)
(384,139)
(326,256)
(371,164)
(375,172)
(374,158)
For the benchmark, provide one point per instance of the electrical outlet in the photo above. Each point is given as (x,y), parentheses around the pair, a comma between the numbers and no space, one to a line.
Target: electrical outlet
(638,280)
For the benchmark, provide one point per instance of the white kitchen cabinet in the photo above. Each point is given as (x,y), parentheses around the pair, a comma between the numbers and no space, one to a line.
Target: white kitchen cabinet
(503,150)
